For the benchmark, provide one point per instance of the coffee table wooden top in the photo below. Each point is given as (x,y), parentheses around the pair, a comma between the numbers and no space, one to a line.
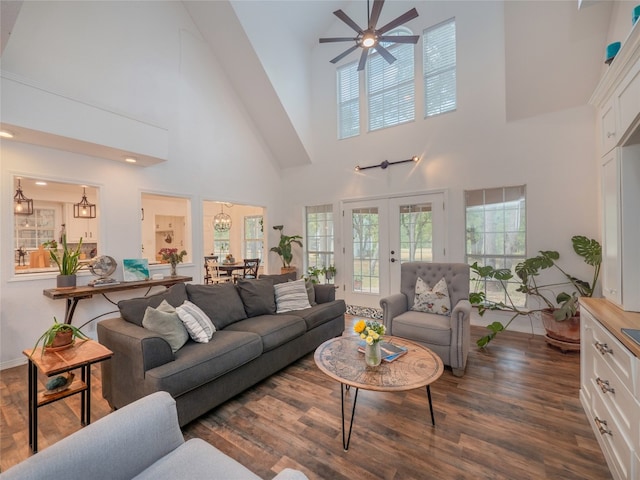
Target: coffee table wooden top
(339,359)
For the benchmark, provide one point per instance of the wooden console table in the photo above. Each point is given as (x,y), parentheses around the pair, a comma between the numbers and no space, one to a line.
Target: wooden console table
(81,355)
(75,294)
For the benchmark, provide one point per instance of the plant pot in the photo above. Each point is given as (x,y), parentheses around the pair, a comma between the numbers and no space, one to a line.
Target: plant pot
(284,270)
(65,281)
(564,331)
(61,341)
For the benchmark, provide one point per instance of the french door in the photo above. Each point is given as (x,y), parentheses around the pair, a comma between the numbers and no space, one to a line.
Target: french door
(380,234)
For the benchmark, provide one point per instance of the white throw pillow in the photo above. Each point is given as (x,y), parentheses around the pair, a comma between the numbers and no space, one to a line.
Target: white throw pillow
(197,323)
(291,296)
(435,300)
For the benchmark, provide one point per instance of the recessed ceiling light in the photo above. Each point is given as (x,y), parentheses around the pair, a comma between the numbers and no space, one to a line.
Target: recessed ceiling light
(40,182)
(6,134)
(130,160)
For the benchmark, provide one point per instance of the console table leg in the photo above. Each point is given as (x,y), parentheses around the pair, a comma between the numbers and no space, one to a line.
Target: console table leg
(87,397)
(433,419)
(345,442)
(83,397)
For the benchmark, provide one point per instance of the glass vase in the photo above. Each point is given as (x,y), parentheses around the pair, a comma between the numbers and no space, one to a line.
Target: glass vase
(372,355)
(174,273)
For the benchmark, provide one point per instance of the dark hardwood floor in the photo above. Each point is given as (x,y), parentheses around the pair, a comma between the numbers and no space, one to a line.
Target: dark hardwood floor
(514,415)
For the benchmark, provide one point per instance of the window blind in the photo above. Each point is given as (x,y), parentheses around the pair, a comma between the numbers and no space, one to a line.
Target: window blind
(390,87)
(348,101)
(439,65)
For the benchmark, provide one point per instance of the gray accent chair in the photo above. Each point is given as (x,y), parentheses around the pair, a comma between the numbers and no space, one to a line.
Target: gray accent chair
(141,440)
(449,336)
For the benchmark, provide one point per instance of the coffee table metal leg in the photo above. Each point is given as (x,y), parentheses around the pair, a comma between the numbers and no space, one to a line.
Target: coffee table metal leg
(345,442)
(433,419)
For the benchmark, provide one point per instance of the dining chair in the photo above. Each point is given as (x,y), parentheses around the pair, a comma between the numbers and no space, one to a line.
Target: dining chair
(251,267)
(207,270)
(213,273)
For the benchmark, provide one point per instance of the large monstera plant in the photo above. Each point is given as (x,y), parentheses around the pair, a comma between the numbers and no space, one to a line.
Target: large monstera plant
(563,305)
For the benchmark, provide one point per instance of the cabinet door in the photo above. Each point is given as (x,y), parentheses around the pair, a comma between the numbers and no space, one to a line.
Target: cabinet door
(608,134)
(611,224)
(628,102)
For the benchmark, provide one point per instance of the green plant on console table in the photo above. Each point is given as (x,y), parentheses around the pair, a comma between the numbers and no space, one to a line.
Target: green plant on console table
(69,262)
(563,306)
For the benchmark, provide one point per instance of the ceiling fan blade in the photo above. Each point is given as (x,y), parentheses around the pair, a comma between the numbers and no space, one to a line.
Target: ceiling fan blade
(363,59)
(375,13)
(346,19)
(405,17)
(343,54)
(399,38)
(338,39)
(385,53)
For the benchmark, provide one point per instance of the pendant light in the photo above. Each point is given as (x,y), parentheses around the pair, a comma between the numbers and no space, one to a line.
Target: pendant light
(21,204)
(222,221)
(84,209)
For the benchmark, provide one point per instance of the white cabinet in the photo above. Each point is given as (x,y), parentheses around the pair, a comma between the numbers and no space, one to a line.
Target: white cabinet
(621,227)
(608,129)
(76,228)
(608,385)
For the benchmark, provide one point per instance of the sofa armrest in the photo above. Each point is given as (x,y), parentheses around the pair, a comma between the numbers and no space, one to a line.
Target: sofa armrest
(135,351)
(118,446)
(392,306)
(325,292)
(290,474)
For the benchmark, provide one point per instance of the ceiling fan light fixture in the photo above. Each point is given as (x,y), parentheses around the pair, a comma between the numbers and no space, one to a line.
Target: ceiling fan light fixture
(369,40)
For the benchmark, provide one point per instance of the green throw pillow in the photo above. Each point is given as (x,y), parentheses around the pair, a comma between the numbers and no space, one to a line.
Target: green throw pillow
(165,322)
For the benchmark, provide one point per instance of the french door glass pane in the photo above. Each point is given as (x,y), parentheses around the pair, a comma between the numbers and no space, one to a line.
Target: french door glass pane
(366,250)
(416,233)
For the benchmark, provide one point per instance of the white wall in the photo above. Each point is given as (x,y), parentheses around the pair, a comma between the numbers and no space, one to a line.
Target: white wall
(146,60)
(473,147)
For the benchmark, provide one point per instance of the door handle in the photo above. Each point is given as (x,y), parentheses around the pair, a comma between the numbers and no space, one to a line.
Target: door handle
(393,252)
(393,260)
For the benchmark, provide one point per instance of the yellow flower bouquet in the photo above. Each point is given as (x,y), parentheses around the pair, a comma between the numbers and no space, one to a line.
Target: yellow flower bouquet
(370,331)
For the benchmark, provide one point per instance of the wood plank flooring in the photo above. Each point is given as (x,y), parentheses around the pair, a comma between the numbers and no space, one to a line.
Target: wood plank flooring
(514,415)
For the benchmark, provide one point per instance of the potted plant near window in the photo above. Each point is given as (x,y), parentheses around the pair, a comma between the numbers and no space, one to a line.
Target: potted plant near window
(68,263)
(284,249)
(329,273)
(560,315)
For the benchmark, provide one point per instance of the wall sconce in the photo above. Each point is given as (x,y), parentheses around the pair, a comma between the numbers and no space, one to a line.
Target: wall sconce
(84,209)
(21,204)
(386,163)
(222,221)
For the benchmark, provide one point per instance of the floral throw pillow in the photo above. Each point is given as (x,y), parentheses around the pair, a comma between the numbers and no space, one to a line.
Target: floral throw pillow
(432,300)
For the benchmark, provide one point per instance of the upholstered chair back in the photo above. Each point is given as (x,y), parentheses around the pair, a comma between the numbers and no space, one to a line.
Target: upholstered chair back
(455,274)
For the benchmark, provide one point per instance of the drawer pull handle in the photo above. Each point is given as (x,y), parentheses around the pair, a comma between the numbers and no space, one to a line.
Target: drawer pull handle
(604,386)
(602,426)
(603,348)
(611,134)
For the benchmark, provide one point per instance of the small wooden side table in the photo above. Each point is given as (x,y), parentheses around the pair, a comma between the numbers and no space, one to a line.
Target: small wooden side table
(81,355)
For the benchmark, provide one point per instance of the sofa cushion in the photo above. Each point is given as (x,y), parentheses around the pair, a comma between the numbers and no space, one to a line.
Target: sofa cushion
(291,296)
(197,323)
(196,364)
(196,459)
(281,278)
(165,322)
(311,292)
(132,310)
(257,296)
(220,302)
(275,330)
(322,313)
(423,327)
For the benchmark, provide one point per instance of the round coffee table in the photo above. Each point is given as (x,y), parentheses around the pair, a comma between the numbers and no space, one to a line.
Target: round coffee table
(339,359)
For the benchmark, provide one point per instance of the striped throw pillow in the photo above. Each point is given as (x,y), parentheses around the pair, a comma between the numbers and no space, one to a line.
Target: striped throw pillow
(197,323)
(291,296)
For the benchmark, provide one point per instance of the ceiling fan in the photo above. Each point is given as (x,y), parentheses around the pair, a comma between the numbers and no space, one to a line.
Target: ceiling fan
(371,37)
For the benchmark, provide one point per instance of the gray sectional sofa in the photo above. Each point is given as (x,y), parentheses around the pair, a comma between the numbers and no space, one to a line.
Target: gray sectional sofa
(251,343)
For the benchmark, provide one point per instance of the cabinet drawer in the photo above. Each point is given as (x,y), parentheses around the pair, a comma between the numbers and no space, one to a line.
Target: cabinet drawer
(615,395)
(612,351)
(608,135)
(616,446)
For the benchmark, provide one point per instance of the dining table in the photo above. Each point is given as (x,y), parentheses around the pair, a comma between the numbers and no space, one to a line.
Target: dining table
(229,268)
